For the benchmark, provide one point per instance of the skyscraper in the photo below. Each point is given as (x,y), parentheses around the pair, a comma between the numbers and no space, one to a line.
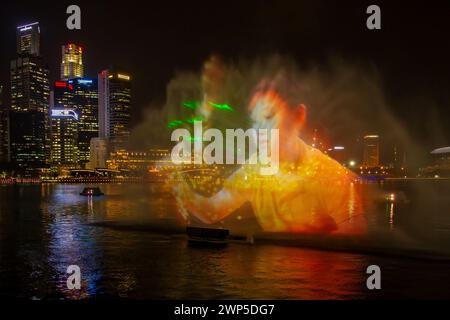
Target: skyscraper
(64,128)
(80,95)
(29,113)
(62,95)
(85,100)
(30,88)
(72,62)
(28,37)
(371,151)
(64,122)
(114,107)
(4,130)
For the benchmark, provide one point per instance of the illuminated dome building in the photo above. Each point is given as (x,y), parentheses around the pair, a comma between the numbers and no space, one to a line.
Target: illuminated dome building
(440,164)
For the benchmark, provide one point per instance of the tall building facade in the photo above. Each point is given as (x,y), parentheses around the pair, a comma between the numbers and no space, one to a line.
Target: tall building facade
(64,121)
(114,107)
(62,95)
(371,156)
(30,87)
(64,129)
(85,101)
(29,111)
(81,96)
(4,129)
(28,39)
(72,62)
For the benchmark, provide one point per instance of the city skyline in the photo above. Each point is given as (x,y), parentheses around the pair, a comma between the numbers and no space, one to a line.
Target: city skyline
(241,155)
(421,88)
(84,108)
(47,128)
(390,143)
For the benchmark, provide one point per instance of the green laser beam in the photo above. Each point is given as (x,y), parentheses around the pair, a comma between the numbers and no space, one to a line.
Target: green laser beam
(221,106)
(191,104)
(174,123)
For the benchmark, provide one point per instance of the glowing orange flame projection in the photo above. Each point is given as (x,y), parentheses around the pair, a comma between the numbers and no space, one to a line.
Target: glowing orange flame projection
(311,193)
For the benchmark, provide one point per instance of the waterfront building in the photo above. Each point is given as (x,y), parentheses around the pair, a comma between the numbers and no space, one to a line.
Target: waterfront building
(114,107)
(439,164)
(371,156)
(4,130)
(85,101)
(64,131)
(29,111)
(80,95)
(140,163)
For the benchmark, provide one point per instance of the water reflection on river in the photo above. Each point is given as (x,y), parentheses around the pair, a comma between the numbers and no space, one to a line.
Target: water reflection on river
(44,229)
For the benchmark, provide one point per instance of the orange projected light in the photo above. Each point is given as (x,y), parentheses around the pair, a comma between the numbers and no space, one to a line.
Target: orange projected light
(311,193)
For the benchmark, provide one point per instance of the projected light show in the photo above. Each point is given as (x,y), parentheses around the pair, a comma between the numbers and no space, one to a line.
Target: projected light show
(208,159)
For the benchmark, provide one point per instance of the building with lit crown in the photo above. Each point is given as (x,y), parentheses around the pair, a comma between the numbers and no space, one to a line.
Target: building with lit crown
(72,62)
(114,107)
(28,39)
(29,111)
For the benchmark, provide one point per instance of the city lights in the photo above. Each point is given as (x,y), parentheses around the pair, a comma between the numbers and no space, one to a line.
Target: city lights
(214,153)
(123,76)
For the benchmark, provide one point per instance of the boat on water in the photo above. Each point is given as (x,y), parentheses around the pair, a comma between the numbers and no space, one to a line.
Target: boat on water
(398,197)
(91,192)
(207,236)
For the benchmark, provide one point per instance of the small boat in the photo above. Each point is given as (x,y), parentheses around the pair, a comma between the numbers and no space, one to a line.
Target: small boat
(91,192)
(207,236)
(393,197)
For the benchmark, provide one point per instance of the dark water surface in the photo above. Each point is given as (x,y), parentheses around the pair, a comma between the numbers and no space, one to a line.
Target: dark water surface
(45,228)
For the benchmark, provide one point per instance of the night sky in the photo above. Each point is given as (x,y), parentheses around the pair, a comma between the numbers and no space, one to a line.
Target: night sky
(154,39)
